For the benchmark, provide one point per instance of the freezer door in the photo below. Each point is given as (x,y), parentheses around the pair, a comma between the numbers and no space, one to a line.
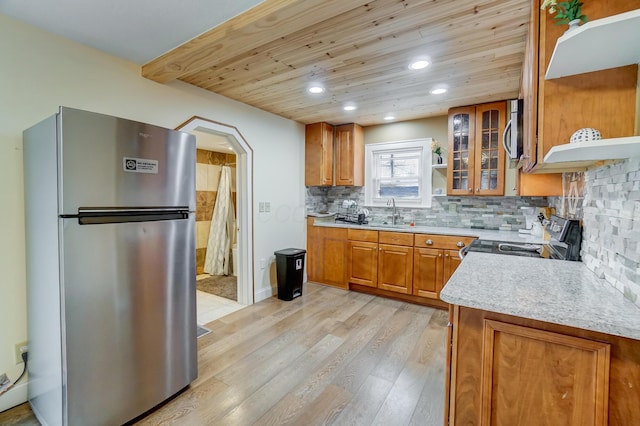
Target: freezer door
(129,324)
(106,161)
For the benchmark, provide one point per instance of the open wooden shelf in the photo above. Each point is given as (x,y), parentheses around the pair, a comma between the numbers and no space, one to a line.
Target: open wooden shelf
(605,43)
(581,155)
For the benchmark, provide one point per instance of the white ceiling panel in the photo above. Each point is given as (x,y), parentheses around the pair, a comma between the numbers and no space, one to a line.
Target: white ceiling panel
(135,30)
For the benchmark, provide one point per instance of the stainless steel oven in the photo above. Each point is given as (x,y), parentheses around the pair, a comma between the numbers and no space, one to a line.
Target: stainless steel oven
(564,243)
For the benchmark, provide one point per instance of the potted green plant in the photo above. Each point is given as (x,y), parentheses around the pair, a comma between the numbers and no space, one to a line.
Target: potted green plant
(436,149)
(566,12)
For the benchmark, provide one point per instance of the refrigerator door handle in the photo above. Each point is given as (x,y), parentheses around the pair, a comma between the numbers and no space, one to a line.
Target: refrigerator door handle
(98,216)
(131,210)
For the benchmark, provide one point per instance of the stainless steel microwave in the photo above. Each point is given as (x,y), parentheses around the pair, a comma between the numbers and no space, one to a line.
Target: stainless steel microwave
(513,133)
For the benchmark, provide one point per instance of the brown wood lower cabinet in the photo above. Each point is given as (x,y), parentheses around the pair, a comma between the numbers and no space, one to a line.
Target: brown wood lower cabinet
(427,272)
(395,268)
(395,262)
(435,259)
(412,267)
(326,255)
(362,261)
(432,269)
(451,263)
(507,370)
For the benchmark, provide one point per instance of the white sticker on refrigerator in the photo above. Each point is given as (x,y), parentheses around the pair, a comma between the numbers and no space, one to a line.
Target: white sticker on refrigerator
(139,165)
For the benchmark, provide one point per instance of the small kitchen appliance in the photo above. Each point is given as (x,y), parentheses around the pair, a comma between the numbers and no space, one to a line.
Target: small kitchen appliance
(532,225)
(564,243)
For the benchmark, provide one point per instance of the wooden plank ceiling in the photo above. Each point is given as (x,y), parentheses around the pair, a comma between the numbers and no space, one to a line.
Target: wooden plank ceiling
(360,52)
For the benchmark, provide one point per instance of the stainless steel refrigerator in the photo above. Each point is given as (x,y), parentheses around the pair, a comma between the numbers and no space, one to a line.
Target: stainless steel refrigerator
(110,243)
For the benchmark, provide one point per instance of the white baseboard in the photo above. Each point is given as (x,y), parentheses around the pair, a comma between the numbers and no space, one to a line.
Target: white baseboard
(14,396)
(263,294)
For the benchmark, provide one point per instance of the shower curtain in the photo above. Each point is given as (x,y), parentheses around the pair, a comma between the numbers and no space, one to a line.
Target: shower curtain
(222,228)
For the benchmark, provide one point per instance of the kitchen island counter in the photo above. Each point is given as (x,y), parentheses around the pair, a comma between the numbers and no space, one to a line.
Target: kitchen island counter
(555,291)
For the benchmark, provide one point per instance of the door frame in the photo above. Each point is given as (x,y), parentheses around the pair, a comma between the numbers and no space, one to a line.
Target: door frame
(244,184)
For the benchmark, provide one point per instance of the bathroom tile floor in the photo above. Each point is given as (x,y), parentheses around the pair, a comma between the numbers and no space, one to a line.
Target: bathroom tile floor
(211,307)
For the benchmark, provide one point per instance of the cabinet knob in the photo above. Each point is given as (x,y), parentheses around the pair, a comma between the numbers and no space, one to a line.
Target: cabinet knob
(460,244)
(470,189)
(439,254)
(429,242)
(380,249)
(446,255)
(477,189)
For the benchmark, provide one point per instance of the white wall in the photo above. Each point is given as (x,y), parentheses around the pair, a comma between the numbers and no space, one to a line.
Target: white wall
(41,71)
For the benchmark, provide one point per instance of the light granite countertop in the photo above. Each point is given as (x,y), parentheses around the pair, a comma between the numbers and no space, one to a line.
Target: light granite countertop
(555,291)
(485,234)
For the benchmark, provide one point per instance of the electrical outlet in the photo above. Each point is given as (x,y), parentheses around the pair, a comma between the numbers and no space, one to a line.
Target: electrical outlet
(261,207)
(18,349)
(267,206)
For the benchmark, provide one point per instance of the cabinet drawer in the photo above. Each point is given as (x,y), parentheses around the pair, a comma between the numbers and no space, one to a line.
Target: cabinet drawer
(395,238)
(362,235)
(449,242)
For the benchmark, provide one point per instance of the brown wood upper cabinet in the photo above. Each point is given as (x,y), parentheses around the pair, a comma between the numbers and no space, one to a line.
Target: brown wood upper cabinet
(475,156)
(320,140)
(318,165)
(555,109)
(349,155)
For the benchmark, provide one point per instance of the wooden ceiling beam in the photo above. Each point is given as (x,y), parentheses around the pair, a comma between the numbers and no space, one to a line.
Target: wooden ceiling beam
(270,19)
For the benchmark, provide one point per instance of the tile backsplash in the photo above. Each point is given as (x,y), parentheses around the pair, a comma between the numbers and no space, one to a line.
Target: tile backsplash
(456,212)
(611,220)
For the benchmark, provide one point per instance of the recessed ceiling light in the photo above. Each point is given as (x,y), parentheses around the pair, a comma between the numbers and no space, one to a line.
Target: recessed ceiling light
(389,117)
(438,91)
(349,107)
(419,64)
(231,148)
(316,88)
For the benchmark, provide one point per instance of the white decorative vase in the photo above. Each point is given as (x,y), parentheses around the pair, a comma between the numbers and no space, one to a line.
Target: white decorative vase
(587,134)
(573,25)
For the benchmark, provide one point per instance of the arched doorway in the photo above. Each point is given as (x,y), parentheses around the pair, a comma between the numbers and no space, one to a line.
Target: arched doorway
(244,184)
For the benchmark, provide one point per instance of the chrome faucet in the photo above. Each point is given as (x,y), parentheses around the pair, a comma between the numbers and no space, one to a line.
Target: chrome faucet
(392,202)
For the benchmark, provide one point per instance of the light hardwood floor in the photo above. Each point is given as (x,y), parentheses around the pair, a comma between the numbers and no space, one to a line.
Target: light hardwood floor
(328,357)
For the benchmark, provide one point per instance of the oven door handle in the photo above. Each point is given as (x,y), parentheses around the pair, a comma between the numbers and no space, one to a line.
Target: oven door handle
(463,252)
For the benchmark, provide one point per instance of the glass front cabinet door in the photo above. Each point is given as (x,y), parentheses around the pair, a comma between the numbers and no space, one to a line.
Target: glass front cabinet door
(475,155)
(460,152)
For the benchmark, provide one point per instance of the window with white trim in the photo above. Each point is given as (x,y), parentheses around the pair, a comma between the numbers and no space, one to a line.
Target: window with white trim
(399,170)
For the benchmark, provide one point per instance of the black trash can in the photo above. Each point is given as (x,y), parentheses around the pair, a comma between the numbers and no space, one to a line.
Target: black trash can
(290,270)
